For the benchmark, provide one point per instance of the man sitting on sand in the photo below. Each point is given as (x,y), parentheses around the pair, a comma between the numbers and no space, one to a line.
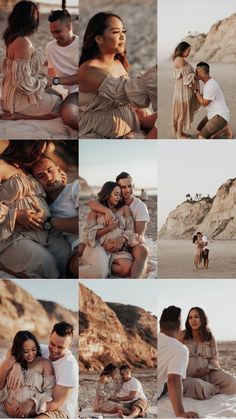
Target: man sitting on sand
(172,361)
(63,57)
(140,215)
(216,123)
(131,394)
(65,392)
(63,203)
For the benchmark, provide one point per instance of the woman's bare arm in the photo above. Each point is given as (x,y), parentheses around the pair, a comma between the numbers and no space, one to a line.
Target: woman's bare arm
(90,78)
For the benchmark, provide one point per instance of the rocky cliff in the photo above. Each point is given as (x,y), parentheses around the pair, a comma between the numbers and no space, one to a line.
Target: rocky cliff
(214,217)
(114,333)
(84,188)
(217,45)
(20,311)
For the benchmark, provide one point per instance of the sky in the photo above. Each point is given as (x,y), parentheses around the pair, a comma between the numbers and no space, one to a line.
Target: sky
(192,167)
(176,18)
(64,292)
(216,297)
(140,293)
(101,161)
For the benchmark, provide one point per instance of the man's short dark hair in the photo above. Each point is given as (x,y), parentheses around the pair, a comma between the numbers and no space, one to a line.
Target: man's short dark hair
(62,15)
(199,232)
(170,318)
(122,175)
(63,329)
(124,367)
(205,67)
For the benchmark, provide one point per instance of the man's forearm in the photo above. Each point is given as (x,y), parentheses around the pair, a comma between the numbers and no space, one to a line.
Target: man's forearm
(200,99)
(69,80)
(96,206)
(176,394)
(66,225)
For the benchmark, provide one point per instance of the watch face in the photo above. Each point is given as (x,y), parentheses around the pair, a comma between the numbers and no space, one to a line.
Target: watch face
(47,225)
(56,80)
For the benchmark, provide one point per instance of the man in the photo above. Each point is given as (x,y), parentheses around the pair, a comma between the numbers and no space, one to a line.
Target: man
(63,57)
(212,98)
(131,394)
(65,392)
(172,361)
(140,215)
(63,202)
(205,249)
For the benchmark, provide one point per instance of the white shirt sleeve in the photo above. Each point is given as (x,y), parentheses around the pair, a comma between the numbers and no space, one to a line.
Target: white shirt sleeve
(68,375)
(210,91)
(75,193)
(179,362)
(134,385)
(141,213)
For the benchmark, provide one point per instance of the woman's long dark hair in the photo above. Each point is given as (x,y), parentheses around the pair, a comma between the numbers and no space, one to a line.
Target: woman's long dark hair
(95,27)
(108,369)
(179,50)
(23,152)
(17,346)
(204,331)
(23,21)
(105,193)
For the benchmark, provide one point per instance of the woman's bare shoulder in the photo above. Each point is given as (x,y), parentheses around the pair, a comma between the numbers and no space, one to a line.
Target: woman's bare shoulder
(91,76)
(46,365)
(21,48)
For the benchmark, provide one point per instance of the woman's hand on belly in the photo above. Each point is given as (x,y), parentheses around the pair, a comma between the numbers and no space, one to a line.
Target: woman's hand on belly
(29,219)
(201,372)
(113,246)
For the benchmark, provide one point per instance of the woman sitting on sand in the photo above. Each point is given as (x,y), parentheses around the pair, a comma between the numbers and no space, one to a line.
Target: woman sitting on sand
(185,103)
(107,94)
(24,89)
(26,247)
(106,392)
(205,378)
(97,235)
(38,379)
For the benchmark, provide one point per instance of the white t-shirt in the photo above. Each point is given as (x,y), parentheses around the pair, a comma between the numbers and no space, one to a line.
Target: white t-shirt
(213,92)
(132,385)
(139,210)
(65,60)
(205,240)
(172,359)
(66,373)
(65,206)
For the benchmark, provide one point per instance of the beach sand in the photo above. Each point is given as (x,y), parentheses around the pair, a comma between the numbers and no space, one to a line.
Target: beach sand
(33,129)
(223,73)
(140,21)
(176,260)
(88,382)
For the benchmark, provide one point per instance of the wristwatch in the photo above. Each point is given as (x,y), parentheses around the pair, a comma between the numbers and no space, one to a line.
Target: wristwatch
(195,91)
(56,81)
(47,225)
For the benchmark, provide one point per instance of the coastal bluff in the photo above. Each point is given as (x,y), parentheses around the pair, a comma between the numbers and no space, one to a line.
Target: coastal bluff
(215,217)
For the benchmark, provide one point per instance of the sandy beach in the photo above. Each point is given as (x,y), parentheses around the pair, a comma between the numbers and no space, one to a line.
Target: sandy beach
(176,260)
(223,73)
(33,129)
(88,382)
(140,21)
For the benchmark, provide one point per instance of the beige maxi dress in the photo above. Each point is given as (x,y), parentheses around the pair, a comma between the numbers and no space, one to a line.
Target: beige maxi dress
(35,386)
(185,103)
(205,355)
(103,394)
(40,254)
(110,113)
(96,261)
(24,87)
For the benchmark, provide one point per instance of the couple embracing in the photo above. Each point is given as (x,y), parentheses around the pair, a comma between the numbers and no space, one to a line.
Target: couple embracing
(113,236)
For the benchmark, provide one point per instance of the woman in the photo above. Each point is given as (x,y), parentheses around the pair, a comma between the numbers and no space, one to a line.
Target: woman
(185,102)
(106,392)
(97,236)
(25,245)
(205,378)
(38,378)
(106,92)
(24,89)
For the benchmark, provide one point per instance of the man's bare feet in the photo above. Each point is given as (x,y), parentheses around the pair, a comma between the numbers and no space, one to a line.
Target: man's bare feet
(120,414)
(183,136)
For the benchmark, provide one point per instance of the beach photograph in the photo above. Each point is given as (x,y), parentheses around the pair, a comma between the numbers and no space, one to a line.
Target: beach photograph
(118,69)
(36,314)
(117,334)
(35,102)
(202,34)
(118,210)
(196,210)
(209,387)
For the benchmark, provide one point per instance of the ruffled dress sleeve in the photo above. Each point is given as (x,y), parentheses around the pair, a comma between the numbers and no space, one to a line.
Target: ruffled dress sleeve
(214,363)
(7,221)
(24,80)
(44,395)
(90,230)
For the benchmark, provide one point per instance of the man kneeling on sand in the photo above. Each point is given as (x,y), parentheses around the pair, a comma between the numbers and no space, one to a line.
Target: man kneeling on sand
(172,361)
(216,123)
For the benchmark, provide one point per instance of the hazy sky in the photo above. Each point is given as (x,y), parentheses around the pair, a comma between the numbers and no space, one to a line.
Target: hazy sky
(216,297)
(101,161)
(64,292)
(176,18)
(135,292)
(192,167)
